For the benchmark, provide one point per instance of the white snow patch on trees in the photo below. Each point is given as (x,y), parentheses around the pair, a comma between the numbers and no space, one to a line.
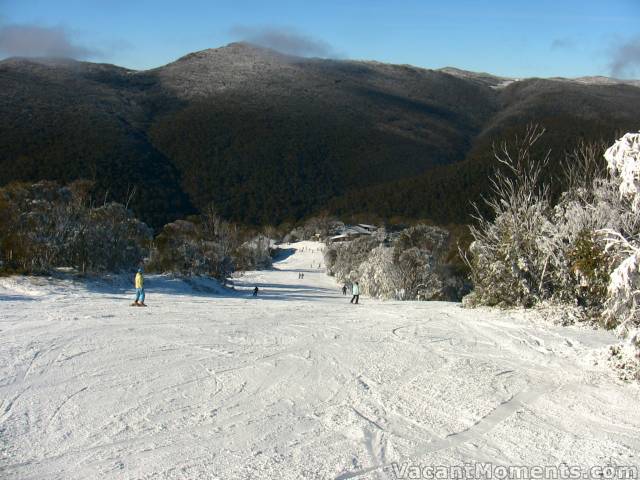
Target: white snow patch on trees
(407,265)
(621,311)
(584,251)
(623,158)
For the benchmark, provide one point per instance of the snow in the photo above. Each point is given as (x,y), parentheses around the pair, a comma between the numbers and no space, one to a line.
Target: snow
(504,84)
(623,159)
(208,383)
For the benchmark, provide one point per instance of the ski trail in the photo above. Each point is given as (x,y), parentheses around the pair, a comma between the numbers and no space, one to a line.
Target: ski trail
(294,384)
(57,410)
(482,426)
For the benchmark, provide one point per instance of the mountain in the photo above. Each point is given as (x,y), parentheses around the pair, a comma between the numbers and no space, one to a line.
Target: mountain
(64,120)
(269,137)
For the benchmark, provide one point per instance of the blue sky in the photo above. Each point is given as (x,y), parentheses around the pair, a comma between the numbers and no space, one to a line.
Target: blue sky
(518,38)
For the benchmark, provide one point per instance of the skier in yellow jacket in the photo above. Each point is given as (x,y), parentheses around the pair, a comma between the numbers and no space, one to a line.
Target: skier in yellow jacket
(139,301)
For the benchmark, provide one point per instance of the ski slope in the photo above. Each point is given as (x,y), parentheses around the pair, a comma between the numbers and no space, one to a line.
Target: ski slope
(208,383)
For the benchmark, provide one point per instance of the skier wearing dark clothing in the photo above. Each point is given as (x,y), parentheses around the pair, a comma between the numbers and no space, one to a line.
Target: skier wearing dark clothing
(255,292)
(344,289)
(355,290)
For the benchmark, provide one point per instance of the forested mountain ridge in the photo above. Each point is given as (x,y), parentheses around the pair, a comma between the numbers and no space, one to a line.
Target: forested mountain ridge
(268,137)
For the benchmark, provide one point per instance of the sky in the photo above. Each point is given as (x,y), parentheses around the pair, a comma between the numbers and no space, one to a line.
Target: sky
(515,38)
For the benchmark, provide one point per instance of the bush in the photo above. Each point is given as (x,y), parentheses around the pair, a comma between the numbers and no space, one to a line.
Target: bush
(531,251)
(510,254)
(589,270)
(255,254)
(46,226)
(344,259)
(202,245)
(379,276)
(413,264)
(315,228)
(585,250)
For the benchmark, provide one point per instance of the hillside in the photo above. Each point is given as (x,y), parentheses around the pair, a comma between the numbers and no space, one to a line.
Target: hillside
(63,120)
(268,137)
(570,111)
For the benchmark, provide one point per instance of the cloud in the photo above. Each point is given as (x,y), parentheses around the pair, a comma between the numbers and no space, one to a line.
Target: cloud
(285,40)
(625,59)
(36,41)
(562,43)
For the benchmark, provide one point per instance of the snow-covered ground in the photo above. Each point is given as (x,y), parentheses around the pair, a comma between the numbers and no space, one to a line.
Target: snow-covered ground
(296,383)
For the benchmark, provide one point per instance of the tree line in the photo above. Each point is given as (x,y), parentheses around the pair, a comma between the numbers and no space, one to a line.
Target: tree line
(46,226)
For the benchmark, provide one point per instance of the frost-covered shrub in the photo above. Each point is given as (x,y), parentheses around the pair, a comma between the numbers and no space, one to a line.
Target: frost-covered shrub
(344,259)
(203,245)
(427,238)
(379,277)
(255,254)
(581,266)
(622,311)
(589,266)
(624,358)
(510,256)
(411,265)
(115,240)
(421,254)
(531,251)
(45,226)
(319,227)
(585,250)
(623,159)
(623,292)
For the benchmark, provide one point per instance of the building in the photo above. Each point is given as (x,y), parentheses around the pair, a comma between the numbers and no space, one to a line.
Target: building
(350,232)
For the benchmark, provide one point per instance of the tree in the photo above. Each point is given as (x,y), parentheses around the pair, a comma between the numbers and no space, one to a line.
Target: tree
(509,257)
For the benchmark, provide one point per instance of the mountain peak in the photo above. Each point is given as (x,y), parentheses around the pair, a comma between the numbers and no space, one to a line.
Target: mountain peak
(236,51)
(478,77)
(217,69)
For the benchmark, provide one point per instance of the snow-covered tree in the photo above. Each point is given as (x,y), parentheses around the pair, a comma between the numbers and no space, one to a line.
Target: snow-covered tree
(623,159)
(511,252)
(255,253)
(343,260)
(622,307)
(412,264)
(531,250)
(315,228)
(379,277)
(205,245)
(45,226)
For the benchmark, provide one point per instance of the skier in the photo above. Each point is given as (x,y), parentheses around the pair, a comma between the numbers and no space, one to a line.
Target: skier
(344,290)
(139,284)
(355,290)
(255,292)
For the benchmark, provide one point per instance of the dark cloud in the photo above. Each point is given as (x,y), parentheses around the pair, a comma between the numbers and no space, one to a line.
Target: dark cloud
(625,60)
(562,43)
(38,41)
(284,39)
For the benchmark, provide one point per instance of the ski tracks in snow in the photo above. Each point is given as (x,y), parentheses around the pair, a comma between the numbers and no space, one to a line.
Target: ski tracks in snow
(296,383)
